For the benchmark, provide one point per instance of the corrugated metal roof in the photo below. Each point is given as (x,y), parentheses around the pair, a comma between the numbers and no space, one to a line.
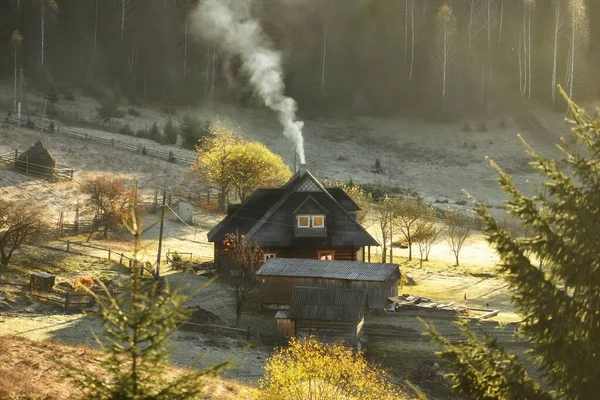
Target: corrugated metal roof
(335,269)
(328,304)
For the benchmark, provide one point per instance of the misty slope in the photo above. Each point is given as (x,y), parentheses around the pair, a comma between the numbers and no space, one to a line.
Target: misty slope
(436,160)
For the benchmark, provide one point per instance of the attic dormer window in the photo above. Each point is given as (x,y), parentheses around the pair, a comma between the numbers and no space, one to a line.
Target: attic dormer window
(311,221)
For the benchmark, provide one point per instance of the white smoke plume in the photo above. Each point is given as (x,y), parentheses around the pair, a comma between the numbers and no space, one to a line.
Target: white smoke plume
(229,24)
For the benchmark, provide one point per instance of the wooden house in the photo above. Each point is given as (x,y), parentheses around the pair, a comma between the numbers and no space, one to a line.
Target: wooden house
(330,315)
(278,277)
(302,219)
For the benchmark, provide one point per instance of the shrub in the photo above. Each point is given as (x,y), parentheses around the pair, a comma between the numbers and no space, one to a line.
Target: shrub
(70,97)
(170,132)
(503,124)
(109,109)
(193,130)
(482,126)
(141,133)
(467,127)
(154,133)
(133,112)
(82,283)
(30,124)
(144,151)
(378,166)
(126,130)
(51,127)
(171,157)
(169,110)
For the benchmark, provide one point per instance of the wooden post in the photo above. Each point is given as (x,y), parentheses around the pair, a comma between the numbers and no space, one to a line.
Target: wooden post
(86,138)
(121,259)
(369,250)
(67,299)
(208,197)
(112,142)
(68,245)
(109,254)
(58,130)
(130,263)
(16,155)
(27,165)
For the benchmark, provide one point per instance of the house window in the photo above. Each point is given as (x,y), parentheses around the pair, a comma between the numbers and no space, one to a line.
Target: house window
(326,255)
(303,221)
(311,221)
(269,255)
(318,221)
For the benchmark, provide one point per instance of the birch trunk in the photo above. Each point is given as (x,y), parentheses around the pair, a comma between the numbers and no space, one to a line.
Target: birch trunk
(323,59)
(185,50)
(43,21)
(489,25)
(445,62)
(482,82)
(96,28)
(471,25)
(15,103)
(572,55)
(555,50)
(122,19)
(501,21)
(524,89)
(529,52)
(412,46)
(214,75)
(405,31)
(520,65)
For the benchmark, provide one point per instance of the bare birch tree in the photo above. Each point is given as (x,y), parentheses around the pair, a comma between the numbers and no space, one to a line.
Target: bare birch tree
(323,59)
(555,48)
(458,229)
(409,218)
(53,7)
(124,7)
(579,35)
(501,21)
(16,40)
(446,30)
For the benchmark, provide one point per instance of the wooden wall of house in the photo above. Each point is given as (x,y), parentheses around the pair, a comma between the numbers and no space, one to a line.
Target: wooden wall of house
(341,253)
(328,331)
(223,262)
(276,291)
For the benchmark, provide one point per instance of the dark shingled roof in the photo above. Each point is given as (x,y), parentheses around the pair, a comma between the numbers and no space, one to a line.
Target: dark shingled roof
(324,304)
(342,197)
(268,216)
(334,269)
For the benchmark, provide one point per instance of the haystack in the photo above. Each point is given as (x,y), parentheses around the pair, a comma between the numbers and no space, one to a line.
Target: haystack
(37,160)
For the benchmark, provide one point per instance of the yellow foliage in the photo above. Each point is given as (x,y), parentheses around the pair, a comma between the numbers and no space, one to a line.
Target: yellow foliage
(307,369)
(228,162)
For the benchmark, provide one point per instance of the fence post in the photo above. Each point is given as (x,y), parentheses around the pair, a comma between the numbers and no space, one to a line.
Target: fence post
(121,259)
(68,245)
(130,263)
(27,165)
(58,130)
(67,300)
(109,254)
(16,155)
(86,138)
(112,142)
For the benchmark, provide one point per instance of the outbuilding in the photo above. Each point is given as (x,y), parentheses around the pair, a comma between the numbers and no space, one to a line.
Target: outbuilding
(36,160)
(330,315)
(279,276)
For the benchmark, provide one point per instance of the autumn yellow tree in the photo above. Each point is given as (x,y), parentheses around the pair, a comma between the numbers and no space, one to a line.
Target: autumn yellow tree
(307,369)
(228,163)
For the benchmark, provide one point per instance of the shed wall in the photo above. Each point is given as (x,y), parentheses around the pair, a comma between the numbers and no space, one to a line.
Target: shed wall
(276,291)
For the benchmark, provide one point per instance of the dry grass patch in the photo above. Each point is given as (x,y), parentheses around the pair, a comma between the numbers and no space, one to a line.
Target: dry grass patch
(29,370)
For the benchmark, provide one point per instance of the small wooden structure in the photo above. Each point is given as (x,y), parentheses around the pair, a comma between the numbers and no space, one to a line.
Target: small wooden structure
(329,314)
(279,276)
(42,280)
(185,210)
(36,160)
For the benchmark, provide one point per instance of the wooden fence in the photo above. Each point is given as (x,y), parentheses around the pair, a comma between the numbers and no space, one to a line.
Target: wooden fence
(70,132)
(92,251)
(216,329)
(59,172)
(64,299)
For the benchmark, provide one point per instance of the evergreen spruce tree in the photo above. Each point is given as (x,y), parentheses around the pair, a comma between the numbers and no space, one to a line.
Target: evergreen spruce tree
(137,326)
(560,306)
